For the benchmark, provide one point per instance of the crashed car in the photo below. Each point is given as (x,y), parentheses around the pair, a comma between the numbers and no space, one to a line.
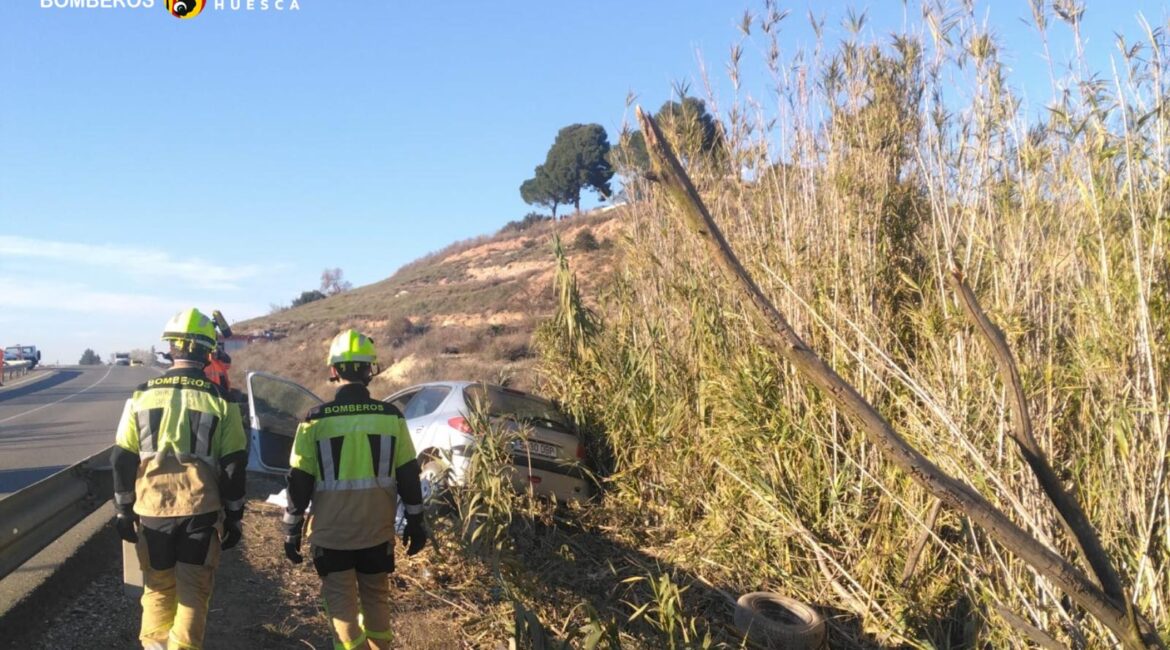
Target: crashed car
(547,453)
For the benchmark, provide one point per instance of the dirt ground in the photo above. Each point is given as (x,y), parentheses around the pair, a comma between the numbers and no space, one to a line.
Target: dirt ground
(260,599)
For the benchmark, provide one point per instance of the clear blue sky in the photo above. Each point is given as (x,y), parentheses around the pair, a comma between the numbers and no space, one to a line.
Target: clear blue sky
(149,163)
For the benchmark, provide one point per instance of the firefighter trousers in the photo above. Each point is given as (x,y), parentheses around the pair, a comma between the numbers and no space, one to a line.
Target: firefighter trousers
(356,588)
(178,556)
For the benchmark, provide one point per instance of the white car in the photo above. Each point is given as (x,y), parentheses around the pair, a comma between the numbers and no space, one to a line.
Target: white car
(548,455)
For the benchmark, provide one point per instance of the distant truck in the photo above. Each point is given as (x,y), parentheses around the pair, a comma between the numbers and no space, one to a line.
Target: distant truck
(121,358)
(23,353)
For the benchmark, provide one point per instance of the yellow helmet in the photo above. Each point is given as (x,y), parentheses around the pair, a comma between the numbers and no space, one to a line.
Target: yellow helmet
(192,326)
(351,346)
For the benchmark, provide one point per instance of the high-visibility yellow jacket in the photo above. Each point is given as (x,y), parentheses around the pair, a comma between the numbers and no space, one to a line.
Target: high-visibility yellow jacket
(180,448)
(351,458)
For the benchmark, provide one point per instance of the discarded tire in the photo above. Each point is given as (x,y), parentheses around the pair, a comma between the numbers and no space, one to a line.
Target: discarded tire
(772,621)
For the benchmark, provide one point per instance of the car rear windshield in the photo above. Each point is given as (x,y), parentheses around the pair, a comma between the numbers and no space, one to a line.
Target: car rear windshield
(517,406)
(425,401)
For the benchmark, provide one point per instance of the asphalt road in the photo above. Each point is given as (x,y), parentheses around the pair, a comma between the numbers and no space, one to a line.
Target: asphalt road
(50,419)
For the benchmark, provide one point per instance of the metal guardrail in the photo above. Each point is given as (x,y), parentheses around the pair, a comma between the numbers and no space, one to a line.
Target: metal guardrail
(34,517)
(15,368)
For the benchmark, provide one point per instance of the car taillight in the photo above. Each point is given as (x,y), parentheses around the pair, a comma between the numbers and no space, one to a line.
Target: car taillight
(581,452)
(460,424)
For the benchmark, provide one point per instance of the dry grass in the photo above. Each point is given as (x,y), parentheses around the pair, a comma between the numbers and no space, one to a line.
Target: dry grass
(849,204)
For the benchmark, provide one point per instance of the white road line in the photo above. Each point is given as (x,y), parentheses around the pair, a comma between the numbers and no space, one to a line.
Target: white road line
(70,396)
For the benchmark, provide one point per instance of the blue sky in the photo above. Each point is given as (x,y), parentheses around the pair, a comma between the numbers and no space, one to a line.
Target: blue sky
(149,163)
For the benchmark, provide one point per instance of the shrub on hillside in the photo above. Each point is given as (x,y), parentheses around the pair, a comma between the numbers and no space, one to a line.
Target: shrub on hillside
(400,330)
(531,219)
(585,241)
(307,297)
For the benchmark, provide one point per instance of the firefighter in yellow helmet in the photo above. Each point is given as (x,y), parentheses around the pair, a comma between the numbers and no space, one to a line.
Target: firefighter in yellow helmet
(352,458)
(179,464)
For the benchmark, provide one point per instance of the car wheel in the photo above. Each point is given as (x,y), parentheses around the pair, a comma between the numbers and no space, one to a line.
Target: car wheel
(775,621)
(435,475)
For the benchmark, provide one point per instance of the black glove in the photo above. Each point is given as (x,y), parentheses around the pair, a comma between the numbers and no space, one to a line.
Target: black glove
(415,535)
(127,525)
(233,529)
(292,549)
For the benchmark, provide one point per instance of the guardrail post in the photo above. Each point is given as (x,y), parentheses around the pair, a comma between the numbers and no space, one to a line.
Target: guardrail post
(13,369)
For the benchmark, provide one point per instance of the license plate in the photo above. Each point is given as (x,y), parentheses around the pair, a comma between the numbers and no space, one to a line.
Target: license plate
(536,448)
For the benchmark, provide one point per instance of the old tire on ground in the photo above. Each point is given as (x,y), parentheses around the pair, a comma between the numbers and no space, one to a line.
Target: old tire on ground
(774,621)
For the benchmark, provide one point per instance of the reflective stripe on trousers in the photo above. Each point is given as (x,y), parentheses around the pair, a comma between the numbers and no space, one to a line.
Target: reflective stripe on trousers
(358,607)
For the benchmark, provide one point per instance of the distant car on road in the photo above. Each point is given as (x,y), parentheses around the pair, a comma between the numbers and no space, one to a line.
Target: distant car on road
(121,358)
(135,362)
(547,455)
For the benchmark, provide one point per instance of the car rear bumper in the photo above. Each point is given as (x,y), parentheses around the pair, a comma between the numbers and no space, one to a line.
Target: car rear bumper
(567,483)
(564,483)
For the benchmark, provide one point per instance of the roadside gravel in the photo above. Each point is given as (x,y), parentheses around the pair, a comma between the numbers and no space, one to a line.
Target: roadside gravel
(260,600)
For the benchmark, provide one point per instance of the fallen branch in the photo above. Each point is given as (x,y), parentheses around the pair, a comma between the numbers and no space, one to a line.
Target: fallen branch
(784,341)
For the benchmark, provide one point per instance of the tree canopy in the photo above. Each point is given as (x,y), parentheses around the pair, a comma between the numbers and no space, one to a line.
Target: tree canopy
(578,159)
(692,127)
(544,188)
(333,282)
(90,358)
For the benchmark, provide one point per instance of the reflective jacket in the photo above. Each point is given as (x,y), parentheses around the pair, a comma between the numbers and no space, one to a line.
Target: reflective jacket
(217,370)
(180,448)
(352,458)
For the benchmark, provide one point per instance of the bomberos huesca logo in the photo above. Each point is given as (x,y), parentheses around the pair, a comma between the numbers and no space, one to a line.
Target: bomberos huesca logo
(185,9)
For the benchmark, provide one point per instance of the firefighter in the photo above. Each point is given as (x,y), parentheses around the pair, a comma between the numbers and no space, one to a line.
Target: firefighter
(352,458)
(221,362)
(218,368)
(179,465)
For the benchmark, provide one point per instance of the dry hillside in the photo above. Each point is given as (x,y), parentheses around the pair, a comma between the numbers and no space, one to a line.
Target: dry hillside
(465,312)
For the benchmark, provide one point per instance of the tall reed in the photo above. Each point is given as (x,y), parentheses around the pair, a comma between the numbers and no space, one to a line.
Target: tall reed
(848,202)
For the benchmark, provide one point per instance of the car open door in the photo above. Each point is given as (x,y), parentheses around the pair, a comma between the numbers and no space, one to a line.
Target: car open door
(275,407)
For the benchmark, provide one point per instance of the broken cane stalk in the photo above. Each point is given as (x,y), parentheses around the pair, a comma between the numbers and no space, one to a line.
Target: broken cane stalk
(1072,515)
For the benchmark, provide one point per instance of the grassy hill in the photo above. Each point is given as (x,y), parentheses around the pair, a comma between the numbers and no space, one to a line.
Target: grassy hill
(465,312)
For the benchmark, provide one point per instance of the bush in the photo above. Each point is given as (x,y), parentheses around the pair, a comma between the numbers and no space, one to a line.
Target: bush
(531,219)
(585,241)
(307,297)
(400,330)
